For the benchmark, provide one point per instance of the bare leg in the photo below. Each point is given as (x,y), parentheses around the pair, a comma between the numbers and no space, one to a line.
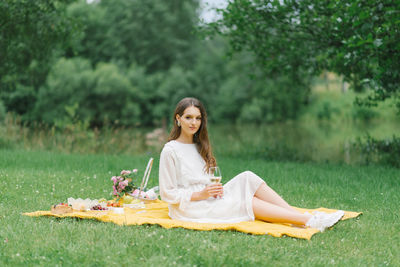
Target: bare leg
(267,211)
(267,194)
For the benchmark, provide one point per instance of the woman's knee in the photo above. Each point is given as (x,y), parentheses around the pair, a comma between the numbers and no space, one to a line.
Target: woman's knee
(249,173)
(255,204)
(254,177)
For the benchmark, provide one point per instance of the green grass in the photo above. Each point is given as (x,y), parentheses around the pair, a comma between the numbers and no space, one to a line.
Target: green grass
(32,181)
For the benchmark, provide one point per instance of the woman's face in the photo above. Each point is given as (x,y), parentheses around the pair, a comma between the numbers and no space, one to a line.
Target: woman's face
(190,120)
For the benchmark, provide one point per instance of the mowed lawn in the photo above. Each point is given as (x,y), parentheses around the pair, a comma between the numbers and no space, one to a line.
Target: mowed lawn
(32,180)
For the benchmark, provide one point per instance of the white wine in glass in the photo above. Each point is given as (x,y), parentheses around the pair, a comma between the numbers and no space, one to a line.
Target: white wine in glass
(215,180)
(215,175)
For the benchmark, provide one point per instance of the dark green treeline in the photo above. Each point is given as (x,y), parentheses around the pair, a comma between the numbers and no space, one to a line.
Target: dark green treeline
(128,63)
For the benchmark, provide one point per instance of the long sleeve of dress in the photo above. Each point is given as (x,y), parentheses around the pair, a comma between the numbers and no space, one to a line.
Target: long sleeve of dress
(181,173)
(170,189)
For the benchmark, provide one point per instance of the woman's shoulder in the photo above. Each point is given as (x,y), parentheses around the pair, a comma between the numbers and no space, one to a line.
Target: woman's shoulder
(169,147)
(170,144)
(175,147)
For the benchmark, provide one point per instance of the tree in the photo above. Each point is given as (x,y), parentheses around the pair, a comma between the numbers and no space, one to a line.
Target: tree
(30,33)
(358,39)
(150,33)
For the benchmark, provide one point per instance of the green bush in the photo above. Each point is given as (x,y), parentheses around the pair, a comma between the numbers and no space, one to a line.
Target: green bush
(102,94)
(229,100)
(175,85)
(275,100)
(113,97)
(364,114)
(21,100)
(385,151)
(68,83)
(3,141)
(2,111)
(326,111)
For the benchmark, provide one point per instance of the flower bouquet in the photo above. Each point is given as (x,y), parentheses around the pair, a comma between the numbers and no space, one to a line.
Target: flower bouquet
(129,194)
(124,183)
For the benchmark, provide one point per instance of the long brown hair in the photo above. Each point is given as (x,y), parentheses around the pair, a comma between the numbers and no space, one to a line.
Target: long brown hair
(200,138)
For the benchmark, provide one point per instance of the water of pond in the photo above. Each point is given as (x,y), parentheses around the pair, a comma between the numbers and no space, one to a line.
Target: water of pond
(304,141)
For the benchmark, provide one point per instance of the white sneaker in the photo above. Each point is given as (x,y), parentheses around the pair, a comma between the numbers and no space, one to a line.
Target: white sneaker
(321,220)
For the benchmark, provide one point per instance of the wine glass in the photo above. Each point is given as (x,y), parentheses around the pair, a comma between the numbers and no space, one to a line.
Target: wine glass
(215,175)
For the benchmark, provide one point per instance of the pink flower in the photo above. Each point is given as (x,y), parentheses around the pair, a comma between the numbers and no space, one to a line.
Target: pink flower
(123,182)
(125,172)
(122,185)
(135,193)
(115,193)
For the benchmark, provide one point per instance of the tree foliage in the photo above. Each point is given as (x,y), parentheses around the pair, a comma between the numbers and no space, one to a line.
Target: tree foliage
(130,61)
(98,95)
(30,33)
(358,39)
(153,34)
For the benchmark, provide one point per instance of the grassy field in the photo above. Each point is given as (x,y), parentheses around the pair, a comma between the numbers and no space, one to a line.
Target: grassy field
(32,181)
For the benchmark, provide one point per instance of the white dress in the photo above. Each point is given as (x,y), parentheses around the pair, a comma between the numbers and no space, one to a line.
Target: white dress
(182,172)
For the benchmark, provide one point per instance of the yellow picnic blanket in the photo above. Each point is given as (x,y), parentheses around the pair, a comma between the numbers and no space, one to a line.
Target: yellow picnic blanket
(157,213)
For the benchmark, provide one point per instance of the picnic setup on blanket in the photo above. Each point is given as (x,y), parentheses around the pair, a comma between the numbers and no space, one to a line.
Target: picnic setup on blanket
(134,206)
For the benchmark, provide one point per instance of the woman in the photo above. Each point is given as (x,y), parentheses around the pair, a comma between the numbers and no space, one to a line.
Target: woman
(185,181)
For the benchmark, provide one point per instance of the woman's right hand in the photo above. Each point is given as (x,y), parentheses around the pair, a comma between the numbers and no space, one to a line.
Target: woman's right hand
(213,190)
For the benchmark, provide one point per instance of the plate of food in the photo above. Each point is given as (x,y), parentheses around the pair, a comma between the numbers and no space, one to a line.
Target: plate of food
(61,208)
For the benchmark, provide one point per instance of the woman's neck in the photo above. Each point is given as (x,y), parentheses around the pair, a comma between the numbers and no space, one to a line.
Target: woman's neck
(185,139)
